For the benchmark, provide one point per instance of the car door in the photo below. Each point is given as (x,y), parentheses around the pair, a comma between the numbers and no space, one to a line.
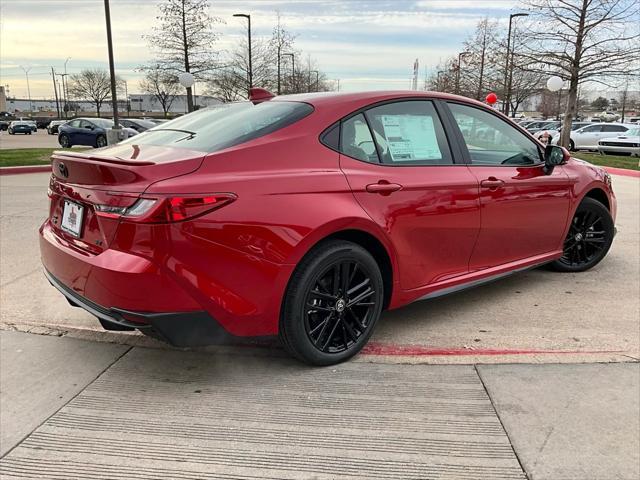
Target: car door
(86,133)
(405,175)
(73,131)
(524,209)
(587,137)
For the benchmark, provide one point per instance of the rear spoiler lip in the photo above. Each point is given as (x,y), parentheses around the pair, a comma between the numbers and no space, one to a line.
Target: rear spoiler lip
(61,154)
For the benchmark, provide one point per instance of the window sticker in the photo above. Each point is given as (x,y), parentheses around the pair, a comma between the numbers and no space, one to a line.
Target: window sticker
(411,137)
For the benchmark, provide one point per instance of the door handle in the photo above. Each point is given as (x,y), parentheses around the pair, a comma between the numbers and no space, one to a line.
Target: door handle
(383,187)
(492,183)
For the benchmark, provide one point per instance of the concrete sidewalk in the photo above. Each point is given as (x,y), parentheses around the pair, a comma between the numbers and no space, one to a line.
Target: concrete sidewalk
(158,413)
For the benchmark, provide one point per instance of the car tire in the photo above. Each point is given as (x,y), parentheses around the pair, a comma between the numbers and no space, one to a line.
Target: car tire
(332,303)
(589,238)
(29,133)
(572,146)
(101,141)
(64,141)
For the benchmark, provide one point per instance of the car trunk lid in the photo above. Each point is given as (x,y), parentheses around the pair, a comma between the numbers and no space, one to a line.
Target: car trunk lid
(114,176)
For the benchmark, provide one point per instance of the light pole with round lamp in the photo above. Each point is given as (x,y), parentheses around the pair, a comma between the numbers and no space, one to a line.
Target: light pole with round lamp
(507,73)
(187,80)
(555,84)
(248,17)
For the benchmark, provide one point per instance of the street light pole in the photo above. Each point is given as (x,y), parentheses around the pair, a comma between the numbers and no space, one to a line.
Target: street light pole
(248,17)
(317,84)
(112,70)
(507,76)
(26,72)
(460,55)
(293,68)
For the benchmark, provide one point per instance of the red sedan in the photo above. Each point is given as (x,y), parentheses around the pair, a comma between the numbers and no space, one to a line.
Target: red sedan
(305,216)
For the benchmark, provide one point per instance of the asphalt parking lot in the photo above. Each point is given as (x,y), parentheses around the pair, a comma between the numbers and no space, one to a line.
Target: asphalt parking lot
(535,316)
(39,139)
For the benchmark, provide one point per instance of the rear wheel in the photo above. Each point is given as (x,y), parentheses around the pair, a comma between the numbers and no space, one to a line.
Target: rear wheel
(101,141)
(64,141)
(572,146)
(332,304)
(589,238)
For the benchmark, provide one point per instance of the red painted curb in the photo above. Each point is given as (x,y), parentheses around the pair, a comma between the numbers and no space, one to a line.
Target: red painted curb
(623,171)
(28,169)
(418,350)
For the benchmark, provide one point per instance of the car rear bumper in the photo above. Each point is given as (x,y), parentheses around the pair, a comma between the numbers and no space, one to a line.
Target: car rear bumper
(190,300)
(181,329)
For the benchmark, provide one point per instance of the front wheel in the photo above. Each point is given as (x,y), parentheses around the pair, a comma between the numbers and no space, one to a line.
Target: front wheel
(589,238)
(332,304)
(64,141)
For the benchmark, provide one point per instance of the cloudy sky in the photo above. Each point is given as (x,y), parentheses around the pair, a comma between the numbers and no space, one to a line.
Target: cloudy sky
(367,44)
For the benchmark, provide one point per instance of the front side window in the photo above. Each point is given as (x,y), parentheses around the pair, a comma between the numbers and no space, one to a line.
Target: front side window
(216,128)
(356,140)
(409,133)
(74,123)
(492,141)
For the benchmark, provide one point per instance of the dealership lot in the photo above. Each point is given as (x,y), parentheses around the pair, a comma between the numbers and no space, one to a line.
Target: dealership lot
(39,139)
(72,407)
(536,316)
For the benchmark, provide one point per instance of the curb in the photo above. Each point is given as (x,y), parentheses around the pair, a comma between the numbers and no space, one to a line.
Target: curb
(623,171)
(27,169)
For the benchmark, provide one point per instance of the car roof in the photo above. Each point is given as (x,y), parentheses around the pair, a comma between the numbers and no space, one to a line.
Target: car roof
(319,99)
(340,104)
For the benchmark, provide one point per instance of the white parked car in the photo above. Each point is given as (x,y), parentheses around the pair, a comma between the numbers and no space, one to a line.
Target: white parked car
(587,138)
(552,132)
(626,144)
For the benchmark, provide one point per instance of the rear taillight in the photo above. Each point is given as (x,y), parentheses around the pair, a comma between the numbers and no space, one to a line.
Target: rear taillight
(167,209)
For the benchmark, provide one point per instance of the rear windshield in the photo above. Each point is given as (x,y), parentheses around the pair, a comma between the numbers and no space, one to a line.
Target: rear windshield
(223,126)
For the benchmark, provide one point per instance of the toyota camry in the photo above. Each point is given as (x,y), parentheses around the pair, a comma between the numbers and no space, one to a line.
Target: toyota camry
(306,216)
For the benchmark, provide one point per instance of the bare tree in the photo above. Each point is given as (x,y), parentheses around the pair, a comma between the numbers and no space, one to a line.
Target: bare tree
(281,42)
(479,64)
(582,41)
(184,41)
(92,85)
(164,87)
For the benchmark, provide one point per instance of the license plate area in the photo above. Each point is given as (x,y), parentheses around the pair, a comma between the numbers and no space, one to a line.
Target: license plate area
(72,217)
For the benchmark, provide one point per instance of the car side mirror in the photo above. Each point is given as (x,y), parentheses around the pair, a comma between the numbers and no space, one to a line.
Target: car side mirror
(554,156)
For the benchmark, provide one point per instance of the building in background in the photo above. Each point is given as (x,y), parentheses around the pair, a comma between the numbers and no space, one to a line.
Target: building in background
(139,104)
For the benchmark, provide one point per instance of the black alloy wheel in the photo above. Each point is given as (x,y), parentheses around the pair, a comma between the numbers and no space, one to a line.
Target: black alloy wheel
(64,141)
(101,141)
(333,302)
(589,238)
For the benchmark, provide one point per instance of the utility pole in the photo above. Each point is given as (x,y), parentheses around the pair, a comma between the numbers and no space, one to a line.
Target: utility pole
(26,72)
(55,91)
(507,76)
(248,17)
(64,93)
(112,71)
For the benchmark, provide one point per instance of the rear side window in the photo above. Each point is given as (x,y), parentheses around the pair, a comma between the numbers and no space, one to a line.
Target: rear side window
(356,140)
(614,128)
(409,133)
(223,126)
